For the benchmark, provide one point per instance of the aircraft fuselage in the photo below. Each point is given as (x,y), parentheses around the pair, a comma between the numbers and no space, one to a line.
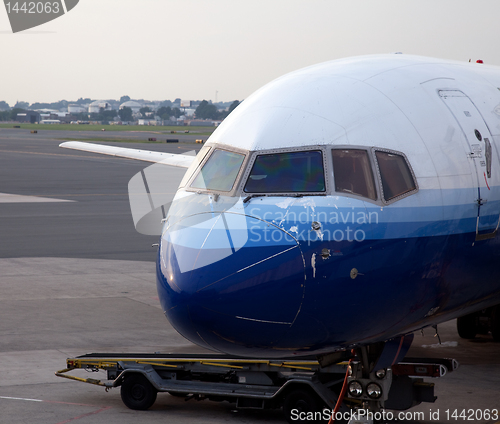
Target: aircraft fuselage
(344,204)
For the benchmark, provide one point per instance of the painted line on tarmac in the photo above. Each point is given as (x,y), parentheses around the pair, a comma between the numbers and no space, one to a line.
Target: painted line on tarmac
(63,403)
(52,401)
(18,198)
(16,398)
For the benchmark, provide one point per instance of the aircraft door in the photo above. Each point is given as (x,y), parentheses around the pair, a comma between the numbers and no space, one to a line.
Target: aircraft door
(479,145)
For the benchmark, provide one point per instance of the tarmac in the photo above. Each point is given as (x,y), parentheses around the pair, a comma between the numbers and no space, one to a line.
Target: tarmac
(75,278)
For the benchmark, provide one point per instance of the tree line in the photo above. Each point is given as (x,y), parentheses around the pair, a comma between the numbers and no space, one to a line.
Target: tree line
(207,110)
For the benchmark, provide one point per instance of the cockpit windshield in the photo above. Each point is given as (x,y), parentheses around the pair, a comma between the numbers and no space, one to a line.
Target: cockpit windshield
(194,166)
(289,172)
(353,173)
(219,172)
(395,174)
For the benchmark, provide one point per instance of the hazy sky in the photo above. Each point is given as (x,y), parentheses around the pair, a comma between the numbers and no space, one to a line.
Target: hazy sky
(164,49)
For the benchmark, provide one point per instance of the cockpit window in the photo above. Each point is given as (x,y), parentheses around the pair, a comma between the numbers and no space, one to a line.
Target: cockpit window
(289,172)
(395,174)
(194,166)
(219,172)
(353,173)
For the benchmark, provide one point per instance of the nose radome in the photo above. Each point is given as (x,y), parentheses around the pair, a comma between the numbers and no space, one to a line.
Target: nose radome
(230,279)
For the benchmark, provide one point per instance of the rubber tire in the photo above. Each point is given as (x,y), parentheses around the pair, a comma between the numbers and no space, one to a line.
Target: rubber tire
(495,323)
(137,392)
(303,401)
(466,326)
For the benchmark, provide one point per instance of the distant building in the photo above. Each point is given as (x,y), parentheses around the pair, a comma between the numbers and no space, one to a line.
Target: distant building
(132,105)
(147,122)
(29,117)
(74,108)
(49,111)
(201,123)
(63,117)
(95,107)
(168,122)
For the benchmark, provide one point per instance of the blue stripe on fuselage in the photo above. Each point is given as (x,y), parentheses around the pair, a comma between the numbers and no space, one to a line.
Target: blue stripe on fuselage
(416,264)
(342,218)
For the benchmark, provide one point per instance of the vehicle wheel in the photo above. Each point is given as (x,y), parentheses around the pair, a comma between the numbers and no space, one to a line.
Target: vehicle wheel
(495,323)
(298,403)
(466,326)
(137,392)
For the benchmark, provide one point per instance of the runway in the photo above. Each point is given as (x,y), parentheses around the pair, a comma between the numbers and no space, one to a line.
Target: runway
(75,277)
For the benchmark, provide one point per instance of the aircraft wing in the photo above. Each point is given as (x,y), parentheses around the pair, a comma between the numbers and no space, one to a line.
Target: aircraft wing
(182,161)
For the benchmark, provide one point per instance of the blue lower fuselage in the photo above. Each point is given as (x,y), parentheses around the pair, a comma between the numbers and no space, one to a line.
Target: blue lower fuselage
(263,278)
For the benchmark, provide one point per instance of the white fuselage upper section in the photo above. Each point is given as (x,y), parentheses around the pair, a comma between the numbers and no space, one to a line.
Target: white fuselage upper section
(388,101)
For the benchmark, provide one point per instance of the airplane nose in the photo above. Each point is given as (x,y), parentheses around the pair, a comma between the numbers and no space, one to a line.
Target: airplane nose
(229,281)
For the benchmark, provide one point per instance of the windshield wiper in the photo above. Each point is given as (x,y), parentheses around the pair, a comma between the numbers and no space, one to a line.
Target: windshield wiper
(248,198)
